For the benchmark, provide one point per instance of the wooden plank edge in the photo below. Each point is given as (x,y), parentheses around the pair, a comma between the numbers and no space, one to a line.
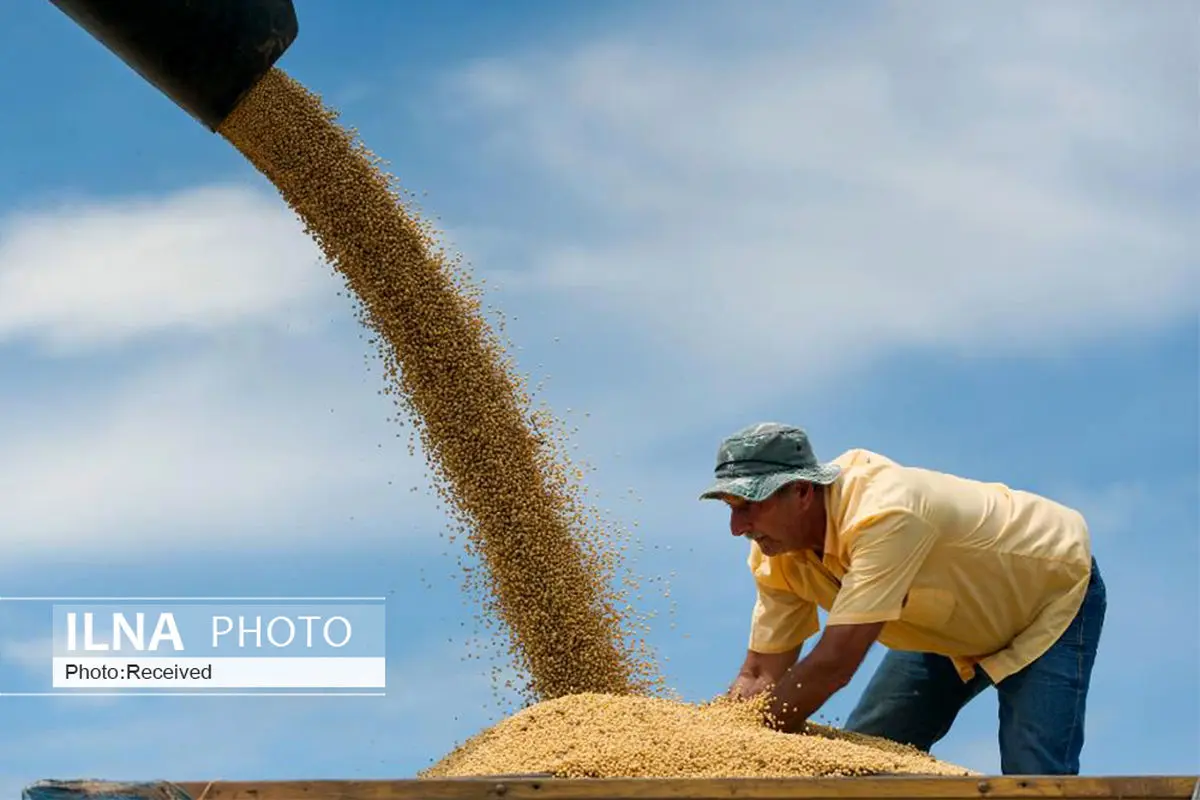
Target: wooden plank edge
(1159,787)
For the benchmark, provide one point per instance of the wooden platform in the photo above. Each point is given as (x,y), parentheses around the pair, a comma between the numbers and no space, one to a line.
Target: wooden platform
(525,788)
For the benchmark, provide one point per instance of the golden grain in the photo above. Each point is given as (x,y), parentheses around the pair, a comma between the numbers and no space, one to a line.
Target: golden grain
(496,464)
(605,736)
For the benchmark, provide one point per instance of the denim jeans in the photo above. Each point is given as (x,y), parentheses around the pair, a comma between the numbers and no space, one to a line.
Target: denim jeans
(914,698)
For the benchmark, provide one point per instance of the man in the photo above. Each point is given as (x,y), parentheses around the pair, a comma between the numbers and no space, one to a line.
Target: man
(968,584)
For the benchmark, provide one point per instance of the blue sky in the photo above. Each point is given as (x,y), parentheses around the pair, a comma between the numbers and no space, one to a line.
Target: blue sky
(955,234)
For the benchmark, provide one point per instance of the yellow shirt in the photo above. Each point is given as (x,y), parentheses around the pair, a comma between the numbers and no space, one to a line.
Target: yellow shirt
(979,572)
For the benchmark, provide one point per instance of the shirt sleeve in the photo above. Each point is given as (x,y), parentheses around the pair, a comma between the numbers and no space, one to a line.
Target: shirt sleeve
(886,553)
(782,620)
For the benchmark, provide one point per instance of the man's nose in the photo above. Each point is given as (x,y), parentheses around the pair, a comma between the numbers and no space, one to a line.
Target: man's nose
(738,524)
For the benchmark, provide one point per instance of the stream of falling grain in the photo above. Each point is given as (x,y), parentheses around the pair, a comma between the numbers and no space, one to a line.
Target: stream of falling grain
(497,470)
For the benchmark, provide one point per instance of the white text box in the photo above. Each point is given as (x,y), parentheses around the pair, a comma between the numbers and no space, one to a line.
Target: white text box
(220,673)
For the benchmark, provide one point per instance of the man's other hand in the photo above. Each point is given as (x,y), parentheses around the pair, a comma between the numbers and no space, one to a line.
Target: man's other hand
(760,672)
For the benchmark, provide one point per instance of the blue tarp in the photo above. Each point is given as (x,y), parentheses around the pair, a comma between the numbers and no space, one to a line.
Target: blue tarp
(103,790)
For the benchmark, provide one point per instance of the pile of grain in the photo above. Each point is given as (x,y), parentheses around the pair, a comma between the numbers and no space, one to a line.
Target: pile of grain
(605,736)
(548,568)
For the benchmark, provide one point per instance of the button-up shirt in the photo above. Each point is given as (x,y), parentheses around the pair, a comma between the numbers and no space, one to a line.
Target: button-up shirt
(984,574)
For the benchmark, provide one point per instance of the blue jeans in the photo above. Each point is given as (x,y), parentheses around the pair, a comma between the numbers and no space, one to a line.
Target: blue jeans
(914,698)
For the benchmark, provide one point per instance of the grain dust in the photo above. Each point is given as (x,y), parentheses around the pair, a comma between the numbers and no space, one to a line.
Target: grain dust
(606,736)
(496,464)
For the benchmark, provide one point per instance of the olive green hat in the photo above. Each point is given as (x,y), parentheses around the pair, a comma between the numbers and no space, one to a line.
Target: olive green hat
(757,461)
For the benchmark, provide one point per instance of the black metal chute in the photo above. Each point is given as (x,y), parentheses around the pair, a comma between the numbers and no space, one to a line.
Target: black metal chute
(205,55)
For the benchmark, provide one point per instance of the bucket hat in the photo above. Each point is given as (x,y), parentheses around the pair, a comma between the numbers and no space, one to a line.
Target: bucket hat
(760,459)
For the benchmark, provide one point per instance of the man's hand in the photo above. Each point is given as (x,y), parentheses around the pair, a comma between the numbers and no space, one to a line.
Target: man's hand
(746,686)
(760,672)
(803,689)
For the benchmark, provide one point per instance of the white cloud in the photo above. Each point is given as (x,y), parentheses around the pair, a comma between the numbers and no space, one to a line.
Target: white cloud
(102,273)
(247,429)
(235,447)
(942,176)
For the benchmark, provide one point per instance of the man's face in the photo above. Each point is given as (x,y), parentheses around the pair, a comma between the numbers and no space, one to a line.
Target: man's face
(776,524)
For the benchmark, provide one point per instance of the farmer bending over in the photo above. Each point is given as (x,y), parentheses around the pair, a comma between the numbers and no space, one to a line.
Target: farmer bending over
(968,584)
